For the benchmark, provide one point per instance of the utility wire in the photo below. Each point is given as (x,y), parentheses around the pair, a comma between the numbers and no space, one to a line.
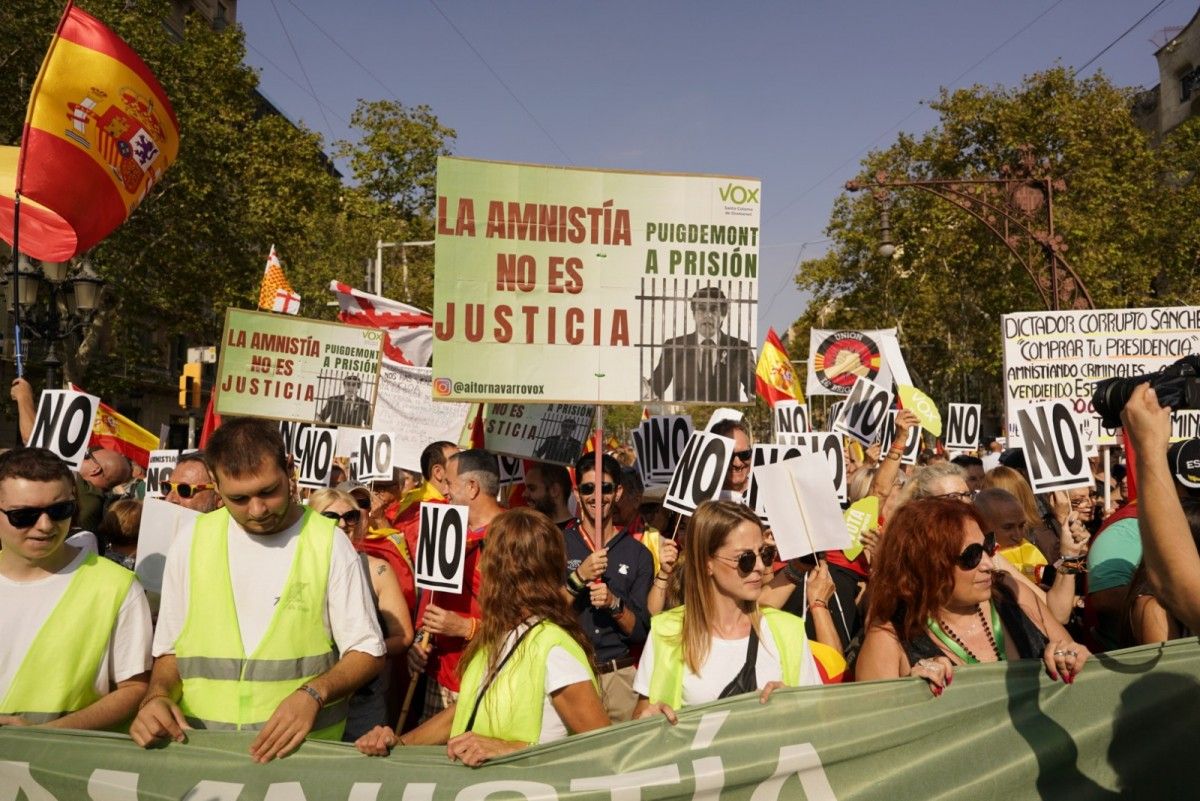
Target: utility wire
(304,72)
(1128,31)
(500,80)
(345,52)
(296,83)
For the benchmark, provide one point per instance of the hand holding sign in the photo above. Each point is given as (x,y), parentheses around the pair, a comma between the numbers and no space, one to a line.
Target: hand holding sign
(442,621)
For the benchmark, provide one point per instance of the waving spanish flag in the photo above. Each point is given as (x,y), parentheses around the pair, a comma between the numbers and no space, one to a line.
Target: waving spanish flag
(775,379)
(117,432)
(99,133)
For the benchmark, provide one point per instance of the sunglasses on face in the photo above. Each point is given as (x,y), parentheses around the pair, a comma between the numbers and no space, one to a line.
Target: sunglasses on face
(350,518)
(965,495)
(185,490)
(589,488)
(29,515)
(972,555)
(743,455)
(746,560)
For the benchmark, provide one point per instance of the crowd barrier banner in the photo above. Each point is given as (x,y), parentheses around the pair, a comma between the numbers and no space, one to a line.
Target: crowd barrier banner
(1125,729)
(588,286)
(1060,355)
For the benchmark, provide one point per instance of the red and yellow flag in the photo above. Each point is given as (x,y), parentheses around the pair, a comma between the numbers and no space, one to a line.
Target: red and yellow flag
(117,432)
(276,293)
(775,379)
(99,133)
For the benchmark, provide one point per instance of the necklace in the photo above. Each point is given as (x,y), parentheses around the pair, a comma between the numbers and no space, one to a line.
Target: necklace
(947,635)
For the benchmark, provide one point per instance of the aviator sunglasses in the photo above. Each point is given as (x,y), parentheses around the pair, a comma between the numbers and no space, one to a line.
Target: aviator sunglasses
(972,555)
(26,517)
(589,487)
(185,490)
(746,560)
(350,518)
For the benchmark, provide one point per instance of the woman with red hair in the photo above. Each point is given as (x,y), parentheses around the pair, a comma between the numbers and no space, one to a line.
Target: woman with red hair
(937,603)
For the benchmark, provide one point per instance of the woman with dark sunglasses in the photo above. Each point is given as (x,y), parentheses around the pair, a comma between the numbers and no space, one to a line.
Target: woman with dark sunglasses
(721,642)
(938,603)
(368,705)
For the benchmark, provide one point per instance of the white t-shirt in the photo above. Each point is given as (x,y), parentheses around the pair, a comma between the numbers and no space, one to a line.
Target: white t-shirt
(562,670)
(258,566)
(28,604)
(725,661)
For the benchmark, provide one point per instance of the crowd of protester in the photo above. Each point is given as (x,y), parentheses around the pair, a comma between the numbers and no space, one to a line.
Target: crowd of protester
(296,615)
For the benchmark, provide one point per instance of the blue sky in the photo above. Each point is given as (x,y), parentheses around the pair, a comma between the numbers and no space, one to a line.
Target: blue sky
(792,93)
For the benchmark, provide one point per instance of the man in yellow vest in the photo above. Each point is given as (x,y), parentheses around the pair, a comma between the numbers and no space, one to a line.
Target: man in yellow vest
(266,622)
(75,635)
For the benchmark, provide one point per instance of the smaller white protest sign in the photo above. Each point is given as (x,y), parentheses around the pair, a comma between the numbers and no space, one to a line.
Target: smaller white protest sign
(63,424)
(512,470)
(663,440)
(373,456)
(963,424)
(544,432)
(790,417)
(721,415)
(1054,449)
(889,347)
(161,523)
(315,460)
(159,469)
(700,473)
(826,444)
(865,411)
(441,547)
(833,412)
(293,434)
(802,513)
(912,445)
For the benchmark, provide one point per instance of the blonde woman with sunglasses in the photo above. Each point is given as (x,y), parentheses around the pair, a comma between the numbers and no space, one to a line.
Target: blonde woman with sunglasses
(721,642)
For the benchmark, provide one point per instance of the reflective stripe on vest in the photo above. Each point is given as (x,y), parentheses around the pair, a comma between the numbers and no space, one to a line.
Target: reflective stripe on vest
(666,629)
(512,706)
(223,688)
(58,674)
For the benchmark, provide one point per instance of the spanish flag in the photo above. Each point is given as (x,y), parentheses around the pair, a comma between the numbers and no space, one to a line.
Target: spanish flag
(774,378)
(99,133)
(117,432)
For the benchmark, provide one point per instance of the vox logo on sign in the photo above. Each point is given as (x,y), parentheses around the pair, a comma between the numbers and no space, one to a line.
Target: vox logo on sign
(736,193)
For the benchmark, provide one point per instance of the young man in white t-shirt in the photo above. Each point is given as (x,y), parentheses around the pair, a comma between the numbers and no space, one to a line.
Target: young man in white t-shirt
(265,536)
(75,638)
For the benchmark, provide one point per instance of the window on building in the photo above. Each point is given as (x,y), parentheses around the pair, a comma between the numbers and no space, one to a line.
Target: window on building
(1189,84)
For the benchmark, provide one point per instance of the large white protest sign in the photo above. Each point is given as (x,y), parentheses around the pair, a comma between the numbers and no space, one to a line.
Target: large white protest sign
(865,411)
(912,445)
(441,547)
(836,359)
(542,432)
(1060,355)
(373,458)
(161,523)
(315,458)
(802,513)
(159,469)
(407,409)
(512,470)
(1054,448)
(827,444)
(790,417)
(662,440)
(963,423)
(700,473)
(63,424)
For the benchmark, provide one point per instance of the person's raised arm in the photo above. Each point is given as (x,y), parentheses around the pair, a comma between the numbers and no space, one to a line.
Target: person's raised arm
(889,467)
(22,393)
(1172,563)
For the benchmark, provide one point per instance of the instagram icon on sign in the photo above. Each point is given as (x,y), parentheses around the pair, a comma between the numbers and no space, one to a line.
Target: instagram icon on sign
(443,387)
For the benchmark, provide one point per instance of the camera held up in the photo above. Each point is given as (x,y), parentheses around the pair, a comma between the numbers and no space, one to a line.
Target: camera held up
(1177,385)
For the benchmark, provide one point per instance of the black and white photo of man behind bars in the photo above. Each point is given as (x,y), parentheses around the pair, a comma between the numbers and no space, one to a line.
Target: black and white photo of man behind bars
(712,362)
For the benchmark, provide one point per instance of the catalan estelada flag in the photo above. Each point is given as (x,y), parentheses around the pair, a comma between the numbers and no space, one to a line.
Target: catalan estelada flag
(775,379)
(117,432)
(99,133)
(276,294)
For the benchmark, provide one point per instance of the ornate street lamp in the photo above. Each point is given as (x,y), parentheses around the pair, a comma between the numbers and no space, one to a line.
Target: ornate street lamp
(1017,207)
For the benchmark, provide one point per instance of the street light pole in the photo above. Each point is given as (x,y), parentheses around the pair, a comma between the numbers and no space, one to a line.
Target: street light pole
(1010,207)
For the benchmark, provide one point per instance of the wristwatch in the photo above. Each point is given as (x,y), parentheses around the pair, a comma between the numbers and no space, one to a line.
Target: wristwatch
(617,606)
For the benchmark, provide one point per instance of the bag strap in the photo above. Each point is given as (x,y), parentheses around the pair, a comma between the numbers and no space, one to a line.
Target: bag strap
(747,678)
(491,678)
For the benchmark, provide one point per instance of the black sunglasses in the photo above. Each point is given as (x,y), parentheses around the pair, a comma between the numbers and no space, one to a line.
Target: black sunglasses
(351,518)
(589,487)
(747,559)
(743,455)
(972,555)
(185,490)
(29,515)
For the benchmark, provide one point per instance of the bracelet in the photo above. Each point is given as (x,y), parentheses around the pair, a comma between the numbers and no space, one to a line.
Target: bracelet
(150,698)
(576,582)
(817,603)
(660,577)
(474,629)
(312,693)
(894,455)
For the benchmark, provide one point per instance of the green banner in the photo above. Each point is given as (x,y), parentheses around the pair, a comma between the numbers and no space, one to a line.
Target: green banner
(589,286)
(1127,728)
(293,368)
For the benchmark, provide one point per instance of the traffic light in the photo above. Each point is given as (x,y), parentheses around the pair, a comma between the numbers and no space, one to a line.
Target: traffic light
(189,386)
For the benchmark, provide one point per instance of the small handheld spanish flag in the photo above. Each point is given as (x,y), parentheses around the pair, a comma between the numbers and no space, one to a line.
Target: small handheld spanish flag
(774,378)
